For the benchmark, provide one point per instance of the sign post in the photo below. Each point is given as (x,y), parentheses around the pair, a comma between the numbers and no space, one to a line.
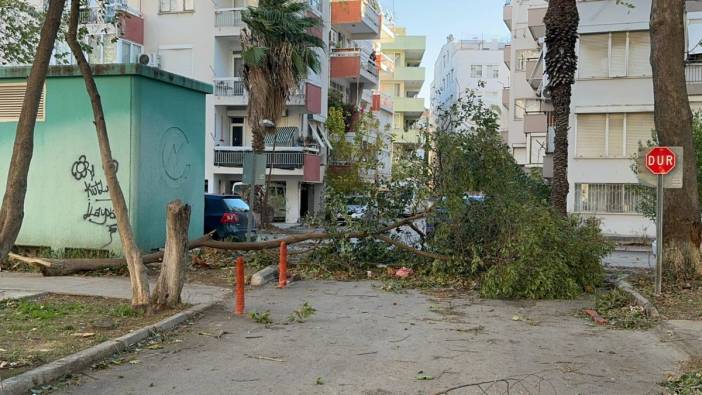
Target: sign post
(660,161)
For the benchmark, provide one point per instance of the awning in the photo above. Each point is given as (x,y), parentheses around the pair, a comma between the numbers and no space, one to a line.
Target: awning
(284,137)
(317,136)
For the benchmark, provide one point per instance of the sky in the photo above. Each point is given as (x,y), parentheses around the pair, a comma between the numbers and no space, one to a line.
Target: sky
(436,19)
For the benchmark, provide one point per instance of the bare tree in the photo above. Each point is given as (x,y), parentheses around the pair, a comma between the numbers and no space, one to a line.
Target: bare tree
(173,270)
(673,117)
(135,264)
(12,210)
(561,22)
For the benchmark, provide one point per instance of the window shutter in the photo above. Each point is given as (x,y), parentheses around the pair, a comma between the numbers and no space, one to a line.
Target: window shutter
(617,66)
(11,99)
(615,140)
(591,136)
(639,54)
(638,129)
(189,6)
(594,55)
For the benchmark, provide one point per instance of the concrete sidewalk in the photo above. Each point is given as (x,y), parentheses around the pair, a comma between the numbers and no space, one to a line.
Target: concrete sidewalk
(23,284)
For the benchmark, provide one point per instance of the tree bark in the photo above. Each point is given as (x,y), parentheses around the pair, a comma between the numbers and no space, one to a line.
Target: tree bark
(175,260)
(673,118)
(561,22)
(12,209)
(137,270)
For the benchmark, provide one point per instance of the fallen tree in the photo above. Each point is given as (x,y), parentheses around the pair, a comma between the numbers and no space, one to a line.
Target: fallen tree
(63,267)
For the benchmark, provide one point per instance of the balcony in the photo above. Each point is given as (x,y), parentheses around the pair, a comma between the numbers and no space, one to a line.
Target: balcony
(505,97)
(412,76)
(507,55)
(382,101)
(385,63)
(358,18)
(507,14)
(410,106)
(413,46)
(354,64)
(290,158)
(230,91)
(536,22)
(693,76)
(228,22)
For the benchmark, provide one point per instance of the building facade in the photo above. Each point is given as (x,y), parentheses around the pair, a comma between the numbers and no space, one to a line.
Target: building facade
(476,65)
(403,84)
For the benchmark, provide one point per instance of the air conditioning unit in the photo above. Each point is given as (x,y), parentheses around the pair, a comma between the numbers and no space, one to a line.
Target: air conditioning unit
(150,59)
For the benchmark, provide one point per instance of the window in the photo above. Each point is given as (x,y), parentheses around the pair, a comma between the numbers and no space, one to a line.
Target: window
(524,106)
(128,52)
(476,71)
(316,5)
(612,135)
(11,100)
(177,5)
(607,198)
(493,71)
(610,55)
(537,149)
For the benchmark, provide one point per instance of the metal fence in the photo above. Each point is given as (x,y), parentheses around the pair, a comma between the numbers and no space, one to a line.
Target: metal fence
(233,86)
(608,198)
(693,72)
(279,160)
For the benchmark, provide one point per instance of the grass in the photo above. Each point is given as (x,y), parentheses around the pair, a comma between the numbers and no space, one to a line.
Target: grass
(34,331)
(620,312)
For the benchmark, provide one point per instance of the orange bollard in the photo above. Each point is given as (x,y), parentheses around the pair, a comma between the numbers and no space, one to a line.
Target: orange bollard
(239,303)
(283,265)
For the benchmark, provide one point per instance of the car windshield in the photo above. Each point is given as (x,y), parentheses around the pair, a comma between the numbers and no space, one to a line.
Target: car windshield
(236,204)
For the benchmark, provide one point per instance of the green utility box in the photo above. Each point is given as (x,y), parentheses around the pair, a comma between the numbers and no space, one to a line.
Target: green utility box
(156,124)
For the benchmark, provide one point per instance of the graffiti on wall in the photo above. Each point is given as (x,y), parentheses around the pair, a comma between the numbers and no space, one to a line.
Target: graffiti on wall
(98,205)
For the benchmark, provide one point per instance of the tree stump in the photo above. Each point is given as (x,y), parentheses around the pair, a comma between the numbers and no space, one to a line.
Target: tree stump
(173,270)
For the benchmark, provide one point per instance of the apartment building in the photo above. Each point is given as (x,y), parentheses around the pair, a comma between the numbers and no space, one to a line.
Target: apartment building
(202,40)
(612,103)
(356,65)
(463,65)
(524,120)
(403,84)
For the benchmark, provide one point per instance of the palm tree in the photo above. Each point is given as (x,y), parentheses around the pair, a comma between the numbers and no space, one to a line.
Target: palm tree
(561,22)
(278,51)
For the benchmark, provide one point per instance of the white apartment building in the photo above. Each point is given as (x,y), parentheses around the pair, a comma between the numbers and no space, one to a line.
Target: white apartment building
(524,123)
(612,103)
(202,40)
(462,65)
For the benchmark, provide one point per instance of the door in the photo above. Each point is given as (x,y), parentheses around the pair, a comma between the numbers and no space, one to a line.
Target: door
(237,65)
(305,200)
(237,132)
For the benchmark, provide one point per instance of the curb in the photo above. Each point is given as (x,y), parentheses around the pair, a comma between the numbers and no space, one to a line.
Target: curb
(264,276)
(81,360)
(640,300)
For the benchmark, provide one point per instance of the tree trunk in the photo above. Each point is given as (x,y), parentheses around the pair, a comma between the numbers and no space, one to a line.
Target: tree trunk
(12,210)
(673,118)
(561,22)
(172,277)
(137,270)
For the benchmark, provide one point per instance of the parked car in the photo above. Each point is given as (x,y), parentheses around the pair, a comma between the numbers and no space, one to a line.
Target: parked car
(441,215)
(228,216)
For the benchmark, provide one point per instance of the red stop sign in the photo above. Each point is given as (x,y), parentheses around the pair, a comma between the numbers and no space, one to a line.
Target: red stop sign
(661,160)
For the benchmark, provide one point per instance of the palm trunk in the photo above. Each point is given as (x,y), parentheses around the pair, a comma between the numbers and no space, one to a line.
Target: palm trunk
(673,118)
(12,210)
(561,22)
(137,270)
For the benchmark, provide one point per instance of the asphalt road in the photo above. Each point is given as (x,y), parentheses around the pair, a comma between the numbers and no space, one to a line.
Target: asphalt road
(366,341)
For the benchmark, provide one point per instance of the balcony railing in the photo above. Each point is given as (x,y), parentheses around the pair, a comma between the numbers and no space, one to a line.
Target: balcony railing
(367,65)
(228,17)
(229,87)
(287,159)
(693,72)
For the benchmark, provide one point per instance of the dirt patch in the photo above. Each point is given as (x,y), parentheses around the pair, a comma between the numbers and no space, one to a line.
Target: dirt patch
(674,303)
(47,327)
(216,267)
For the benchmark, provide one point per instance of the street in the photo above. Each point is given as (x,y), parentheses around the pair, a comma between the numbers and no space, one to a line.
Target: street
(364,340)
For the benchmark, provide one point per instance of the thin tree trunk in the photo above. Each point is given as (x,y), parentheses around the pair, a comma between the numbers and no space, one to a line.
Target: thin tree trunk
(264,211)
(561,22)
(170,281)
(12,210)
(673,118)
(137,270)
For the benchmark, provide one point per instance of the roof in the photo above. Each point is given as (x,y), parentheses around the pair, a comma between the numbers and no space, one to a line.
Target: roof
(284,137)
(119,69)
